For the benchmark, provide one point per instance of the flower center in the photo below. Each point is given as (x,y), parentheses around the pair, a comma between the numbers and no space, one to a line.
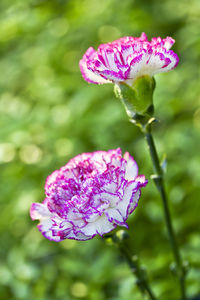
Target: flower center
(84,170)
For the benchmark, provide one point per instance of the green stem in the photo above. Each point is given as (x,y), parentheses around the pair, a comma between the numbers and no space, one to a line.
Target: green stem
(159,182)
(138,272)
(133,263)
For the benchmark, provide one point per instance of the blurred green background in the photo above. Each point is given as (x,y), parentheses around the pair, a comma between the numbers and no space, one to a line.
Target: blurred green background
(48,114)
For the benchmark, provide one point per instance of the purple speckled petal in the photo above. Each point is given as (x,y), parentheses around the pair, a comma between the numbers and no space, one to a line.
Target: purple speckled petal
(131,167)
(128,198)
(90,195)
(87,74)
(127,58)
(102,226)
(39,210)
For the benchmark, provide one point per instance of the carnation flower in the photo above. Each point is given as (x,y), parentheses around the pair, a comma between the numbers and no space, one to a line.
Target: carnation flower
(90,195)
(128,58)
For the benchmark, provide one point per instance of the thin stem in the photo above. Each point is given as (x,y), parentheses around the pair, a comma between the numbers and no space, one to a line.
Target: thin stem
(159,181)
(120,240)
(138,272)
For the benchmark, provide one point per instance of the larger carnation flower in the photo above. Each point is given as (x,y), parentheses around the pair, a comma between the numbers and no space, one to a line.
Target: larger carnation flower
(128,58)
(90,195)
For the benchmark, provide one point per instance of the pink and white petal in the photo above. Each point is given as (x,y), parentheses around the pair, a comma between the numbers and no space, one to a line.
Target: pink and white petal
(143,37)
(38,211)
(142,180)
(117,161)
(131,167)
(90,76)
(173,61)
(79,223)
(55,227)
(112,76)
(134,203)
(126,51)
(137,66)
(168,42)
(100,226)
(128,198)
(111,61)
(119,60)
(116,152)
(62,234)
(155,63)
(75,234)
(74,214)
(91,217)
(90,53)
(114,216)
(102,205)
(45,227)
(109,197)
(156,41)
(102,156)
(161,62)
(79,237)
(50,180)
(110,187)
(102,55)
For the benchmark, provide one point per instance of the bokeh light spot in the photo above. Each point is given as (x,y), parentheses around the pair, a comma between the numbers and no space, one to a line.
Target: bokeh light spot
(108,34)
(60,114)
(64,147)
(30,154)
(7,152)
(79,290)
(58,27)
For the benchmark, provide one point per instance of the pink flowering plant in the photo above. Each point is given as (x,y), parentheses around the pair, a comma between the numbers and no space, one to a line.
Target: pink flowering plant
(131,63)
(94,193)
(91,195)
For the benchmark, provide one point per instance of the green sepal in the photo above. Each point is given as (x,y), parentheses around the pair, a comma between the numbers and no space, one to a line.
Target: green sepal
(138,98)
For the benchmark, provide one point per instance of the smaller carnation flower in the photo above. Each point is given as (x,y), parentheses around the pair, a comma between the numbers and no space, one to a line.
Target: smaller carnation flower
(90,195)
(127,58)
